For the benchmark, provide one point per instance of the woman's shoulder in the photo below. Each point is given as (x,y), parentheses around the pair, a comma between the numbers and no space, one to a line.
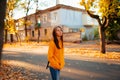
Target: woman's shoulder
(51,41)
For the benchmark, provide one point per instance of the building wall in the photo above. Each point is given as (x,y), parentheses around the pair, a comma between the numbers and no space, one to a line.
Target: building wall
(87,20)
(68,37)
(45,34)
(32,19)
(55,17)
(70,18)
(45,19)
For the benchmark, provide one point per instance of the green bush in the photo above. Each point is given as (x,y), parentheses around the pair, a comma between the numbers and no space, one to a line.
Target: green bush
(85,38)
(111,31)
(96,33)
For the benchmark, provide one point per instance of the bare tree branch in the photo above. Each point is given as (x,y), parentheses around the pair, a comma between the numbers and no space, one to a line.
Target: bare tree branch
(104,21)
(92,15)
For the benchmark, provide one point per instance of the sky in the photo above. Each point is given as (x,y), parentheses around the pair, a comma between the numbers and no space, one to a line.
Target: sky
(43,4)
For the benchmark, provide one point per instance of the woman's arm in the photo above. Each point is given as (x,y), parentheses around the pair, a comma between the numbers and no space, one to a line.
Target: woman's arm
(51,57)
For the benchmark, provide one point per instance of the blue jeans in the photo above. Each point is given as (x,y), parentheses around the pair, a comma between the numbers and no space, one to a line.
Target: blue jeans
(55,74)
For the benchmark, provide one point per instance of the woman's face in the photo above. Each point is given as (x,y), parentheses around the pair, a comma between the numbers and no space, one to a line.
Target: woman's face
(59,32)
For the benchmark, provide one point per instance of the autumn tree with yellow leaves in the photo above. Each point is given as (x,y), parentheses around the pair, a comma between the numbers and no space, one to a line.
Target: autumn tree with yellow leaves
(26,6)
(104,9)
(113,28)
(10,26)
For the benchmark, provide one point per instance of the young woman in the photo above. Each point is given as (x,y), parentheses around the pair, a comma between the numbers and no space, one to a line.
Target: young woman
(56,53)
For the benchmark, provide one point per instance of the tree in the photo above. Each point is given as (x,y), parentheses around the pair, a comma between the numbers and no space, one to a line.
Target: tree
(37,20)
(9,21)
(2,16)
(106,7)
(26,6)
(112,31)
(26,19)
(114,22)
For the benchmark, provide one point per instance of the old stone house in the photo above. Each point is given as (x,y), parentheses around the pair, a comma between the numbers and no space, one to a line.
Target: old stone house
(71,19)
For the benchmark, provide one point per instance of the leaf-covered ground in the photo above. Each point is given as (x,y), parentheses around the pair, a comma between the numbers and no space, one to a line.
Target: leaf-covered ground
(8,72)
(85,49)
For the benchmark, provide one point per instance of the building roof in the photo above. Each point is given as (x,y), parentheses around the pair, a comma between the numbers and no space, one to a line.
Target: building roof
(58,6)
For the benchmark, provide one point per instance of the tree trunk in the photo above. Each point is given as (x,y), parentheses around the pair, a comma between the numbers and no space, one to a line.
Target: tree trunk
(102,40)
(102,24)
(2,16)
(26,19)
(11,38)
(38,35)
(26,31)
(17,37)
(36,20)
(6,35)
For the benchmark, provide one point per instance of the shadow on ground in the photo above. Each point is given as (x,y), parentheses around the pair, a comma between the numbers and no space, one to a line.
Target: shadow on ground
(74,69)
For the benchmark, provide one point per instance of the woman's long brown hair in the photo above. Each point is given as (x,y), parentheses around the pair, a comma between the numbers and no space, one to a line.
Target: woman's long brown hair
(55,37)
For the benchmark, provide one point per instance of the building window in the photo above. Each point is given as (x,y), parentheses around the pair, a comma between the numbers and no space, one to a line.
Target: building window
(45,30)
(33,34)
(55,16)
(44,18)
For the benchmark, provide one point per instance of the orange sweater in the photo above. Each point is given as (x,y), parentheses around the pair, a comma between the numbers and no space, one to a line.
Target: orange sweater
(56,56)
